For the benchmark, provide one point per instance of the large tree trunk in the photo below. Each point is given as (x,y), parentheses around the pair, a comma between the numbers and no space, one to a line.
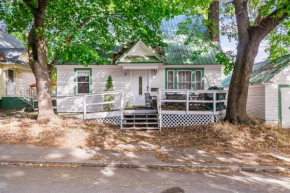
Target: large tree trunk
(238,91)
(38,63)
(250,38)
(37,51)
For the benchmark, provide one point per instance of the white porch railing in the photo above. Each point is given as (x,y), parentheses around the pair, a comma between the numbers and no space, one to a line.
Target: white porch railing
(89,101)
(192,102)
(27,95)
(159,110)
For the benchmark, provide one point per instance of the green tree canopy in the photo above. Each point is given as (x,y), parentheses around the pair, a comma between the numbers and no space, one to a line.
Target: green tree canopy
(67,29)
(278,41)
(72,27)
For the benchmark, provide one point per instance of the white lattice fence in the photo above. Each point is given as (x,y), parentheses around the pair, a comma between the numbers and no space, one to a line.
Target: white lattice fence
(170,120)
(111,120)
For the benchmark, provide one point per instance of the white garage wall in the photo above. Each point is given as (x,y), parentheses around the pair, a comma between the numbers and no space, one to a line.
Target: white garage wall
(256,101)
(272,102)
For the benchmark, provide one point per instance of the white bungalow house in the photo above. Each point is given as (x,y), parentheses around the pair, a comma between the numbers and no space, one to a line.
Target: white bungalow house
(15,72)
(138,69)
(269,91)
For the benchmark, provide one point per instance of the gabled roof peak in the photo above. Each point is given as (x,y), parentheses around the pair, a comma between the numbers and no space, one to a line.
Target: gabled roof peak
(139,52)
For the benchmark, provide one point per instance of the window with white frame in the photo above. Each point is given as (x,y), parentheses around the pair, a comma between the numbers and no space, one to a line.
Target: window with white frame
(170,79)
(198,80)
(83,82)
(184,79)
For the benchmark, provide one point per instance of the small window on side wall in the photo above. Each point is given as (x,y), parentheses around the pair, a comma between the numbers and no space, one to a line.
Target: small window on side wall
(198,80)
(170,79)
(83,82)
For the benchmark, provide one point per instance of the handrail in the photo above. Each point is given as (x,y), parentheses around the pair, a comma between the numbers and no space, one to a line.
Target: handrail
(122,109)
(159,109)
(188,99)
(86,104)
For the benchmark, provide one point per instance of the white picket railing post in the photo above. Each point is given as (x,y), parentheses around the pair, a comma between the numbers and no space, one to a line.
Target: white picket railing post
(187,101)
(121,109)
(85,107)
(214,102)
(159,105)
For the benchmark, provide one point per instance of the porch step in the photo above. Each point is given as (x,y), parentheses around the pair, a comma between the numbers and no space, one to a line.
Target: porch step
(140,114)
(140,121)
(148,118)
(140,128)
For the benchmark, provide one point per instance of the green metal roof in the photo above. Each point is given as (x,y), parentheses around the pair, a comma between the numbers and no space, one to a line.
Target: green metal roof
(175,53)
(140,59)
(264,71)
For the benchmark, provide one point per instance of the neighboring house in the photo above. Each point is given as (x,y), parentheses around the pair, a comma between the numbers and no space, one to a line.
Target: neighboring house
(15,72)
(138,68)
(269,91)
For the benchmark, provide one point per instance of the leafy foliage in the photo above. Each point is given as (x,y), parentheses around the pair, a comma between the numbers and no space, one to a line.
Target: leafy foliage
(72,27)
(277,41)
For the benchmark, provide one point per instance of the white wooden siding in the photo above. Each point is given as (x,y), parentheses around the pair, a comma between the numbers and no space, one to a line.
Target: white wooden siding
(256,101)
(158,80)
(2,82)
(212,76)
(271,101)
(65,86)
(23,78)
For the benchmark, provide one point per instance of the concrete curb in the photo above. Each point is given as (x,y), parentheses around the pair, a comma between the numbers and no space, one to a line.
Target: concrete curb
(221,167)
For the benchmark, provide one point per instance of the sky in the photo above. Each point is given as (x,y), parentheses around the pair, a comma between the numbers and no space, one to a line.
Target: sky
(227,45)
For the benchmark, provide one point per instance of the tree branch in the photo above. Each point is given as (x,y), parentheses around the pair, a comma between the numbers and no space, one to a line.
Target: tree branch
(69,39)
(263,26)
(242,17)
(30,5)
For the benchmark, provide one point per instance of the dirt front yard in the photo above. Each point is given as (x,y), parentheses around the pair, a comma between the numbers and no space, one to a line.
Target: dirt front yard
(216,139)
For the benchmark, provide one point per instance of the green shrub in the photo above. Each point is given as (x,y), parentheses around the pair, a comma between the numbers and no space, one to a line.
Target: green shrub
(109,87)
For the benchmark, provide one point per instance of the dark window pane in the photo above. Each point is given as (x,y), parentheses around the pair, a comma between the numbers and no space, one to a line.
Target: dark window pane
(11,75)
(83,87)
(184,85)
(198,75)
(170,76)
(83,79)
(170,85)
(184,76)
(198,85)
(80,79)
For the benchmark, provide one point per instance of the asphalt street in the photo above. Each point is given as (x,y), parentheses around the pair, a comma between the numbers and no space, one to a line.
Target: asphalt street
(20,179)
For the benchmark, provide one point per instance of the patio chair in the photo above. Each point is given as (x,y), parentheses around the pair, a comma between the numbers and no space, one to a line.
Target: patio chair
(148,100)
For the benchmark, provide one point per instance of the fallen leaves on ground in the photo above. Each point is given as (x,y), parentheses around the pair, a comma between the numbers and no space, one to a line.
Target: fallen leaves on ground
(217,138)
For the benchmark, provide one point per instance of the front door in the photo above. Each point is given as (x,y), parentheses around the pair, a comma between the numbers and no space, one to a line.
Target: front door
(285,107)
(10,83)
(139,87)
